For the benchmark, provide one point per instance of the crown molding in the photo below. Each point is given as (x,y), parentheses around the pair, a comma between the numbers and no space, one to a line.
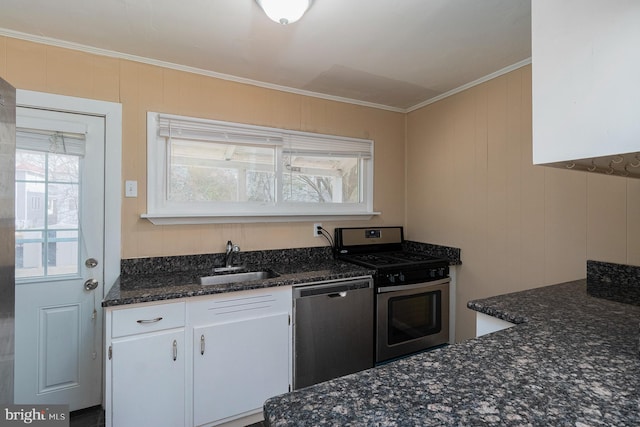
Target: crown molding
(469,85)
(178,67)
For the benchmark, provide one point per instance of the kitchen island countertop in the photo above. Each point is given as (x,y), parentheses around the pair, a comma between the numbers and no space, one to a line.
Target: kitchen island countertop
(572,360)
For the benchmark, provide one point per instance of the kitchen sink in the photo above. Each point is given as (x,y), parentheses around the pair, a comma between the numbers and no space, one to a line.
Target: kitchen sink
(247,276)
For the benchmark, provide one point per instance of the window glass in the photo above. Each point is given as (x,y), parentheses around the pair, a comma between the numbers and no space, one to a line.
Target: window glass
(321,179)
(219,172)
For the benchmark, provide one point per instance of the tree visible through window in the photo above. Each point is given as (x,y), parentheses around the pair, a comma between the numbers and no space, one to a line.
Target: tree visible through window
(222,168)
(321,179)
(218,172)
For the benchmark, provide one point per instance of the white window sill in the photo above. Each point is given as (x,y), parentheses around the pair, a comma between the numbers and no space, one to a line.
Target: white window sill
(176,219)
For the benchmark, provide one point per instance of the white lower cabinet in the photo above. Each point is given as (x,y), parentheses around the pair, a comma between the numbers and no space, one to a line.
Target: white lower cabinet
(145,365)
(244,363)
(238,354)
(148,380)
(241,353)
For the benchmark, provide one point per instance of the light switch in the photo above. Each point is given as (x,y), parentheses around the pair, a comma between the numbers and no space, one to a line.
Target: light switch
(131,189)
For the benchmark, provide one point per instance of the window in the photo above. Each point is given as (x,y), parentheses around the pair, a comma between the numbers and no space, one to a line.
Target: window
(47,230)
(211,171)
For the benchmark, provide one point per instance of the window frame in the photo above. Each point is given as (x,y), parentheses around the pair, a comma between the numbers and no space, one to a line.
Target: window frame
(160,211)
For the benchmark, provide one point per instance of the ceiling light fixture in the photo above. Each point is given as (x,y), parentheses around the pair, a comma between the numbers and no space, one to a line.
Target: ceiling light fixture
(284,11)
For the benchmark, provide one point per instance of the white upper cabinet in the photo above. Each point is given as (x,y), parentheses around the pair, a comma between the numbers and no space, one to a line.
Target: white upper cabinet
(586,83)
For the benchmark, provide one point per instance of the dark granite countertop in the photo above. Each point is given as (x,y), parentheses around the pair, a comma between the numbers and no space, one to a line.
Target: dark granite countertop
(572,360)
(159,286)
(165,278)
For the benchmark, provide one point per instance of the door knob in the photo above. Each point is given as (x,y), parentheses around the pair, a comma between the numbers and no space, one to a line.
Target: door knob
(90,284)
(91,262)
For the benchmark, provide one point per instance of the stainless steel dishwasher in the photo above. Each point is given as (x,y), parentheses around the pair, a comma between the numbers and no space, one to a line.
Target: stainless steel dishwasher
(333,329)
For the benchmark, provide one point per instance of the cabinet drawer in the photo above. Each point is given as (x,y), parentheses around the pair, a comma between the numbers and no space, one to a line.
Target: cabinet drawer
(234,306)
(150,318)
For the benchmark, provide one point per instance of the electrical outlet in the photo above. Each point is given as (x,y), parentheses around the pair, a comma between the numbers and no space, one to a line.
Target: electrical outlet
(316,229)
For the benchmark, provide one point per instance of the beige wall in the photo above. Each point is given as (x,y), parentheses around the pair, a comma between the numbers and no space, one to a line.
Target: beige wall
(141,88)
(471,184)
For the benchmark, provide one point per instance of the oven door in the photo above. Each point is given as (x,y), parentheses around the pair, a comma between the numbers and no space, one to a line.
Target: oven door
(411,318)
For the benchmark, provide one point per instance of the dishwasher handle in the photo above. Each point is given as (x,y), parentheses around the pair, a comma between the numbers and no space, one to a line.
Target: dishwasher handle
(333,289)
(338,294)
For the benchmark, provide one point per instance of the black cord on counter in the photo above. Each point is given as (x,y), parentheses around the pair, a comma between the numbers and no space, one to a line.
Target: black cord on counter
(327,236)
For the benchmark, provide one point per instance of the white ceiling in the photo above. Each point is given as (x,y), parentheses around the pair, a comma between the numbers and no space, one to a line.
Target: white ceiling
(394,54)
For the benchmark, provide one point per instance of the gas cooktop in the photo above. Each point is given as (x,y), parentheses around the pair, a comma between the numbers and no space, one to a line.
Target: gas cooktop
(392,259)
(381,249)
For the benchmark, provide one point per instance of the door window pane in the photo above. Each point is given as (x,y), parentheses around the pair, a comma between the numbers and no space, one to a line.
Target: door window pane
(29,253)
(46,214)
(62,206)
(62,252)
(64,168)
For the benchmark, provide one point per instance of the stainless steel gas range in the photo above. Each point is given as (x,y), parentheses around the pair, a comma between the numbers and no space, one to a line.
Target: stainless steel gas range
(411,290)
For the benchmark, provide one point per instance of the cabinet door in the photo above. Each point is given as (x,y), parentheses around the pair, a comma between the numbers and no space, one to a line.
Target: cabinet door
(148,380)
(586,97)
(243,363)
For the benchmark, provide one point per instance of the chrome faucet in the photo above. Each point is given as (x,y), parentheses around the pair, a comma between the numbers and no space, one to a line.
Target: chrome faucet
(231,248)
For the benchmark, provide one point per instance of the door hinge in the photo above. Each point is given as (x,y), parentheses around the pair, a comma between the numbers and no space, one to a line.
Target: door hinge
(289,387)
(110,352)
(289,320)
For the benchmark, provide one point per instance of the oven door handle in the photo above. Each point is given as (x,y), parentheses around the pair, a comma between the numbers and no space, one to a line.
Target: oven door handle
(387,289)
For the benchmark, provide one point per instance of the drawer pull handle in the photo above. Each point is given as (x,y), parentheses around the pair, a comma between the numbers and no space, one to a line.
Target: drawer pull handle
(157,319)
(202,345)
(175,350)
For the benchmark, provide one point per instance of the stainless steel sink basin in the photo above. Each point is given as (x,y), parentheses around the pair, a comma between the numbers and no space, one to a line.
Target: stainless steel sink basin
(223,279)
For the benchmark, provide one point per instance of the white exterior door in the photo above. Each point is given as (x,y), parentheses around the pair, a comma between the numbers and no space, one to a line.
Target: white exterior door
(60,162)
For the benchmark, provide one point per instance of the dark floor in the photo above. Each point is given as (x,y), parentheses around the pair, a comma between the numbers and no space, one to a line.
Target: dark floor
(89,417)
(94,417)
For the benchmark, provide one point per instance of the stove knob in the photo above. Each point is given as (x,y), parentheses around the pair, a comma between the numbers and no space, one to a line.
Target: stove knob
(392,278)
(401,277)
(432,273)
